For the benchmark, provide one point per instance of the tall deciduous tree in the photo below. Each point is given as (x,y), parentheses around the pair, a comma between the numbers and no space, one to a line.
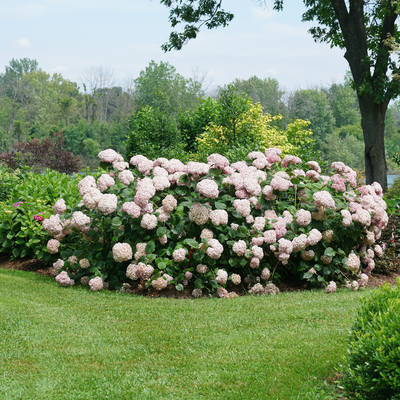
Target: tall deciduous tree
(360,27)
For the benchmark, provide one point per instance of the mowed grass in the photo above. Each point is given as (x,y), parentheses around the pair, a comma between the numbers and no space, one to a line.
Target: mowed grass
(70,343)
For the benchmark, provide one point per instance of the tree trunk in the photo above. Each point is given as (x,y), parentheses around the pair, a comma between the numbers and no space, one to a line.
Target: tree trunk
(373,126)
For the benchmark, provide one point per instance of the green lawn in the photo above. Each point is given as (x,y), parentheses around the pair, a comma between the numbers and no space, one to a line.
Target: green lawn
(70,343)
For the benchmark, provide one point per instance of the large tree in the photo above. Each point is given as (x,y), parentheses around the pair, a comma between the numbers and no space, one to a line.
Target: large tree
(361,27)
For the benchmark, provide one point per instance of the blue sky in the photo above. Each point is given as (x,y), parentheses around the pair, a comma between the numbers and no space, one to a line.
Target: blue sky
(70,36)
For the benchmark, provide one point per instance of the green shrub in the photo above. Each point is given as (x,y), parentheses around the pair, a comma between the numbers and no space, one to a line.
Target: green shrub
(8,180)
(29,200)
(372,369)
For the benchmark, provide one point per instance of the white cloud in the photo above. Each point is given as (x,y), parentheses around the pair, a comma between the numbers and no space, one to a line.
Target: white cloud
(60,68)
(24,42)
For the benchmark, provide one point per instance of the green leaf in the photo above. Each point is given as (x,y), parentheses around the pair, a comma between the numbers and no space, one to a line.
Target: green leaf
(161,265)
(192,243)
(16,252)
(220,206)
(329,252)
(295,181)
(150,247)
(198,256)
(179,287)
(243,262)
(233,261)
(116,221)
(307,275)
(181,190)
(161,231)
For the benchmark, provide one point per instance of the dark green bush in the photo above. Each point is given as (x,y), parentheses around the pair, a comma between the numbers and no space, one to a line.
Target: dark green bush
(372,368)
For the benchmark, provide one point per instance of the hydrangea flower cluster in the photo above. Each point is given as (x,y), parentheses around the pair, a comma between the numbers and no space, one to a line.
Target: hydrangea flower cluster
(215,223)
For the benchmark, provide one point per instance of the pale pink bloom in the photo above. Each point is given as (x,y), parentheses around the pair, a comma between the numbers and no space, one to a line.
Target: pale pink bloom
(120,165)
(159,171)
(299,243)
(303,217)
(208,188)
(91,198)
(145,190)
(353,262)
(110,156)
(259,223)
(251,185)
(201,268)
(354,286)
(324,199)
(84,263)
(144,271)
(326,260)
(188,275)
(104,182)
(257,241)
(126,177)
(197,168)
(79,220)
(338,165)
(159,284)
(222,277)
(72,260)
(314,165)
(64,280)
(257,252)
(378,250)
(148,221)
(131,272)
(331,288)
(199,214)
(108,203)
(219,217)
(285,246)
(161,183)
(254,262)
(52,246)
(269,236)
(261,163)
(272,155)
(299,172)
(96,283)
(215,250)
(234,226)
(163,239)
(257,289)
(314,175)
(53,225)
(270,215)
(369,238)
(268,192)
(314,236)
(242,194)
(290,160)
(265,274)
(280,228)
(60,206)
(249,219)
(58,265)
(287,217)
(255,154)
(122,252)
(174,165)
(338,183)
(131,208)
(217,161)
(236,279)
(362,282)
(163,215)
(347,219)
(242,206)
(280,184)
(179,255)
(362,216)
(169,203)
(85,184)
(239,166)
(312,271)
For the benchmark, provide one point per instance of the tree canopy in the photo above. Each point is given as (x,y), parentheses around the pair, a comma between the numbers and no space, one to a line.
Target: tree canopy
(365,29)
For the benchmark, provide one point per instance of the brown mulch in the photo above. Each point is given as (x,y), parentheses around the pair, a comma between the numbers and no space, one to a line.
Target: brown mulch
(38,267)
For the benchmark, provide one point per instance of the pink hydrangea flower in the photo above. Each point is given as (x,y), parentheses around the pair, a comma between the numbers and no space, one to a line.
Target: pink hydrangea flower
(60,206)
(131,208)
(323,199)
(290,160)
(353,262)
(314,165)
(215,250)
(145,190)
(346,218)
(126,177)
(53,225)
(242,206)
(148,221)
(201,268)
(110,156)
(104,182)
(222,277)
(331,288)
(96,284)
(108,203)
(239,247)
(179,255)
(64,280)
(92,197)
(52,246)
(159,284)
(122,252)
(299,243)
(279,183)
(169,203)
(303,217)
(269,236)
(314,236)
(219,217)
(208,188)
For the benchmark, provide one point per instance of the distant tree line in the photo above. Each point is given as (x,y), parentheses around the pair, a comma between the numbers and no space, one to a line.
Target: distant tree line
(163,113)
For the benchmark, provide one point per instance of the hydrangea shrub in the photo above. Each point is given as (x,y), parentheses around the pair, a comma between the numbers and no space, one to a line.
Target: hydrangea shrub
(208,225)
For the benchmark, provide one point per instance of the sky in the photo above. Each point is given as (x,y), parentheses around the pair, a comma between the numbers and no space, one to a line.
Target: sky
(123,36)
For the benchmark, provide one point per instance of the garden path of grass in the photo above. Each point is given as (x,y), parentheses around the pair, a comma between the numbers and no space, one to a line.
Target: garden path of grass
(70,343)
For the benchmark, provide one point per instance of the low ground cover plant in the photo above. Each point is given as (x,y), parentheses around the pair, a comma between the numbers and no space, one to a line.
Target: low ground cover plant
(372,369)
(159,223)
